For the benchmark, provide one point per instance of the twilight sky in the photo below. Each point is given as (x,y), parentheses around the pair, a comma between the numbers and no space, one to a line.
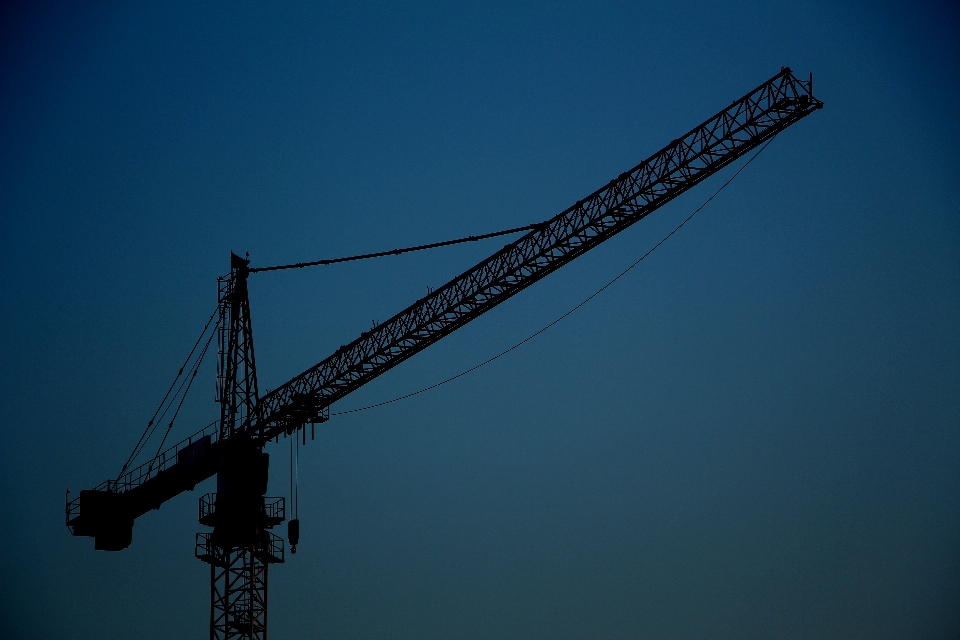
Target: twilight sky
(755,434)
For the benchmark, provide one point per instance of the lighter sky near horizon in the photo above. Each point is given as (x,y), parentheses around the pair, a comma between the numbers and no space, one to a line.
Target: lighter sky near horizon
(754,434)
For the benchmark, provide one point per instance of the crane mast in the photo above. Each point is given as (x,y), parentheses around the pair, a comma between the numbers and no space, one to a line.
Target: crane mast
(241,545)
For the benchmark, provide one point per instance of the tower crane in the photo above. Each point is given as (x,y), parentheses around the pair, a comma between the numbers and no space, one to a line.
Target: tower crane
(241,545)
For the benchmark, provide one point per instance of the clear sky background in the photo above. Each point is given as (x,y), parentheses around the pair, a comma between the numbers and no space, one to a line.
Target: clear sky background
(755,434)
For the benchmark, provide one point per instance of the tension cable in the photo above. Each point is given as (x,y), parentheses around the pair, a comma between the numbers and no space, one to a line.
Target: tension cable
(165,406)
(396,252)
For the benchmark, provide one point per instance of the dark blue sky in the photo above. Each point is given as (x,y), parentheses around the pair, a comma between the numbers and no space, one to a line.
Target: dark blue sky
(755,434)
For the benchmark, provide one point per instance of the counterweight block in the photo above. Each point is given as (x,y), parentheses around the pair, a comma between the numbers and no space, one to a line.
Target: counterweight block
(105,517)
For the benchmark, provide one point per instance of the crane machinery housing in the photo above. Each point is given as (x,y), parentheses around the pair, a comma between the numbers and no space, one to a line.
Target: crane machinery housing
(241,545)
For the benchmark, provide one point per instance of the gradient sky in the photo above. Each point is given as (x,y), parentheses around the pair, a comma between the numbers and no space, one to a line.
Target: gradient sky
(755,434)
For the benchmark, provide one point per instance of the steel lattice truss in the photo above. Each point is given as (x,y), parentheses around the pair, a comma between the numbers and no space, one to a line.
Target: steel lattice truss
(745,124)
(239,597)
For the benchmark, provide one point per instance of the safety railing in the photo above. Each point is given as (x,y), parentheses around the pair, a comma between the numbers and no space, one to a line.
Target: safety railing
(72,508)
(209,551)
(185,452)
(269,549)
(208,507)
(273,509)
(273,512)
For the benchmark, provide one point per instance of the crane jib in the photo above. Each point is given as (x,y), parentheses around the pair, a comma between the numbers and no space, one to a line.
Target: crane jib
(107,512)
(683,163)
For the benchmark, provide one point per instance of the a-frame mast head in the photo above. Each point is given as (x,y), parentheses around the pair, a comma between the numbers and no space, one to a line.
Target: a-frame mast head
(237,390)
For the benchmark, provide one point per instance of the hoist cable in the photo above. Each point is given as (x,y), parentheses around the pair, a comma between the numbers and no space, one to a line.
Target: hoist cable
(294,475)
(296,481)
(291,473)
(571,311)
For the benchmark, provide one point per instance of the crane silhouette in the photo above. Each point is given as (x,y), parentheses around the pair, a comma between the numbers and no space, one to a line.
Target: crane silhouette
(241,545)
